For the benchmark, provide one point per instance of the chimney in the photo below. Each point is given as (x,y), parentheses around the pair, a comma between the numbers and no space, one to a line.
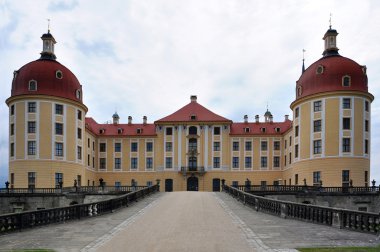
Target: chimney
(271,119)
(129,119)
(286,117)
(193,98)
(257,117)
(246,118)
(145,119)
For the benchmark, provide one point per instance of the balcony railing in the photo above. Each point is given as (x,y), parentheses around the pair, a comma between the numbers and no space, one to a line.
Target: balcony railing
(193,169)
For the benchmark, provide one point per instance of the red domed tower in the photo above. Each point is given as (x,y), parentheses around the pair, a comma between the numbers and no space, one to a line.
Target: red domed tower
(46,121)
(331,127)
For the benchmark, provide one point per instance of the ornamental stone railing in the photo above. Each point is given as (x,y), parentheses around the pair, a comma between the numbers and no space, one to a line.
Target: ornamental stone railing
(335,217)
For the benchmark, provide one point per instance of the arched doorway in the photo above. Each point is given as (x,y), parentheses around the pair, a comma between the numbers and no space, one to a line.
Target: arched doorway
(192,184)
(168,185)
(216,185)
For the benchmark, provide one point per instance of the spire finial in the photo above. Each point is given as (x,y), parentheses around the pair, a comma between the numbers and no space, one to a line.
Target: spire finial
(330,19)
(303,60)
(48,25)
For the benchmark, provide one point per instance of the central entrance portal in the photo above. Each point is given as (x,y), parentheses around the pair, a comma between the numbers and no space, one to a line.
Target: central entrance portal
(192,184)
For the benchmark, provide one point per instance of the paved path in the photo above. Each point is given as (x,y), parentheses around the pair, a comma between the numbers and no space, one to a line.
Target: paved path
(185,221)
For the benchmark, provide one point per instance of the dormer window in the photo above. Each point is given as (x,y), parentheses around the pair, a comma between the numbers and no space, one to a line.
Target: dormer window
(58,74)
(139,131)
(320,69)
(277,129)
(263,130)
(364,69)
(32,85)
(119,130)
(101,131)
(78,94)
(346,81)
(299,90)
(193,117)
(246,129)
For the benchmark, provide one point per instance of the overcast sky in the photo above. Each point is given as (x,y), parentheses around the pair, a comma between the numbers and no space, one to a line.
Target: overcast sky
(147,57)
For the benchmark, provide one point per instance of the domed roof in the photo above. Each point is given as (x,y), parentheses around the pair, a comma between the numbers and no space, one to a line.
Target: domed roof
(332,73)
(46,77)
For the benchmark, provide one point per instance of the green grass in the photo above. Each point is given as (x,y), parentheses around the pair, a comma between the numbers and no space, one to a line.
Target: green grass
(342,249)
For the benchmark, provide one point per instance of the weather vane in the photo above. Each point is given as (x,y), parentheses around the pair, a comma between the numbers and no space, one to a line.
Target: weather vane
(330,20)
(48,24)
(303,54)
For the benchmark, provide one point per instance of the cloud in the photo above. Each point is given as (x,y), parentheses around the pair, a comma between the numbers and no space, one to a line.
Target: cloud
(62,5)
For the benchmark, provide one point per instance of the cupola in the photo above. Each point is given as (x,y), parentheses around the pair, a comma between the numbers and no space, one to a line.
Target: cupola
(48,43)
(115,118)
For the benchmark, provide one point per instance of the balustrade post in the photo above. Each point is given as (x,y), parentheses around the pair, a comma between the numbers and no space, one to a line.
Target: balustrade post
(337,219)
(284,211)
(257,207)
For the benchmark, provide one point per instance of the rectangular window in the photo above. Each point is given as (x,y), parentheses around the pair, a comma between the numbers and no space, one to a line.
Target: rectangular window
(12,150)
(169,146)
(296,179)
(216,130)
(316,178)
(59,149)
(12,129)
(248,162)
(248,146)
(79,152)
(317,106)
(117,184)
(296,151)
(346,123)
(235,162)
(365,178)
(297,112)
(88,159)
(235,183)
(317,144)
(346,103)
(32,180)
(58,128)
(79,133)
(276,161)
(32,107)
(117,163)
(31,127)
(58,179)
(149,183)
(216,146)
(290,158)
(102,163)
(276,145)
(102,147)
(134,147)
(346,145)
(290,141)
(169,162)
(296,131)
(235,146)
(88,142)
(134,163)
(79,115)
(366,105)
(366,146)
(216,162)
(12,179)
(93,145)
(149,163)
(345,178)
(93,162)
(58,109)
(32,148)
(366,125)
(169,131)
(317,125)
(12,109)
(117,147)
(286,145)
(264,145)
(264,162)
(149,146)
(285,161)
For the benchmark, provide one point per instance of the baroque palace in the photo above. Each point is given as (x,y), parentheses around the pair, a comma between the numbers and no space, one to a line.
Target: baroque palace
(52,142)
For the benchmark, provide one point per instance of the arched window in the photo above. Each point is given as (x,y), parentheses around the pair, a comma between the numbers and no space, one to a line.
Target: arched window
(193,130)
(32,85)
(192,144)
(346,81)
(79,94)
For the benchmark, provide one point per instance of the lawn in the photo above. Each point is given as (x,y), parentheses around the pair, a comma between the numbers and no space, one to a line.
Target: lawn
(341,249)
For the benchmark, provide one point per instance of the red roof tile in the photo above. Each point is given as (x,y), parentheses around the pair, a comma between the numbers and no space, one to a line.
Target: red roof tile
(255,128)
(120,129)
(201,114)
